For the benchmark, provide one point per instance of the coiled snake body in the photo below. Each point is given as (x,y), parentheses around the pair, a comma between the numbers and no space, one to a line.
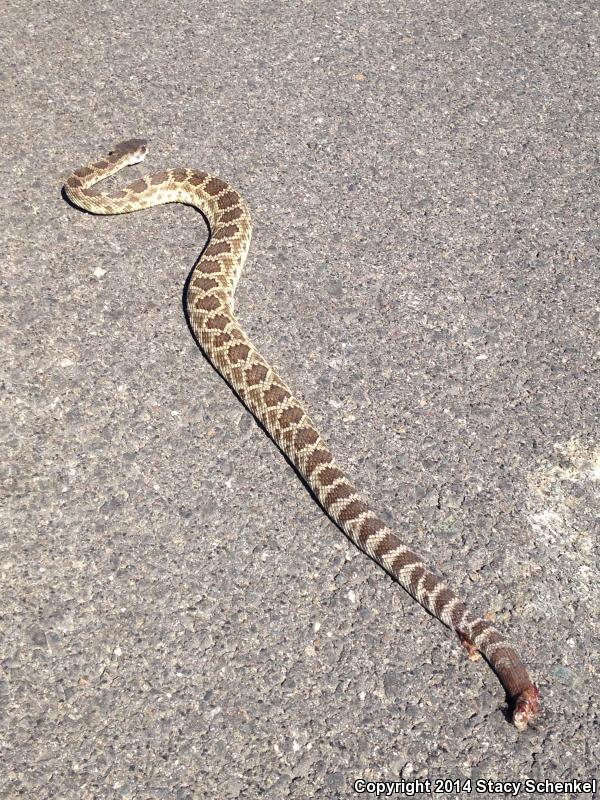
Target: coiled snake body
(210,310)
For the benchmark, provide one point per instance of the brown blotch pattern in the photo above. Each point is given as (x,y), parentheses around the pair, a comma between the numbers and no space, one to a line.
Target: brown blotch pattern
(494,638)
(479,627)
(138,186)
(204,283)
(209,266)
(196,178)
(218,323)
(239,352)
(330,474)
(405,560)
(316,458)
(232,198)
(217,249)
(305,437)
(231,215)
(226,232)
(159,177)
(290,416)
(215,186)
(457,613)
(178,175)
(275,395)
(353,510)
(430,582)
(207,303)
(221,339)
(415,577)
(340,492)
(256,374)
(442,600)
(371,526)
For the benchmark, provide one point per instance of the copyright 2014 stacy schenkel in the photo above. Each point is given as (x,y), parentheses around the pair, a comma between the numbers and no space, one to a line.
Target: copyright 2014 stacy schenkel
(477,787)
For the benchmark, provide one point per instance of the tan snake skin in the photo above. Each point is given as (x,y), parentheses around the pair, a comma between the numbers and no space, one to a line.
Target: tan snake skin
(210,308)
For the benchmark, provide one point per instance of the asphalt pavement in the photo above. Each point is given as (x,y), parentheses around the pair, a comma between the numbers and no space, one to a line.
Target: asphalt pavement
(179,619)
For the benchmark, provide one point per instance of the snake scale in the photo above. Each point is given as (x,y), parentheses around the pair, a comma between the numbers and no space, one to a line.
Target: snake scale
(209,303)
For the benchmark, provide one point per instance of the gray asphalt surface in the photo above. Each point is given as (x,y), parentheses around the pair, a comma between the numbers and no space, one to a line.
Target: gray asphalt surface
(179,619)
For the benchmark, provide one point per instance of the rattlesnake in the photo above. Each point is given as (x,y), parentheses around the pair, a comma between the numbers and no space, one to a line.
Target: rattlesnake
(210,310)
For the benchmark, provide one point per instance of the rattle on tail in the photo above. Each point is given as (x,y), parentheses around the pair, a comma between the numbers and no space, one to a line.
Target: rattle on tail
(210,308)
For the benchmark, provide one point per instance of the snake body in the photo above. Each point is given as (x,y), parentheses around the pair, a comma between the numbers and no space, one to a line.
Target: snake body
(210,310)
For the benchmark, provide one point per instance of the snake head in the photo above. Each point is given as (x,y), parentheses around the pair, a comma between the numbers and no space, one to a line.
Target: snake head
(134,150)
